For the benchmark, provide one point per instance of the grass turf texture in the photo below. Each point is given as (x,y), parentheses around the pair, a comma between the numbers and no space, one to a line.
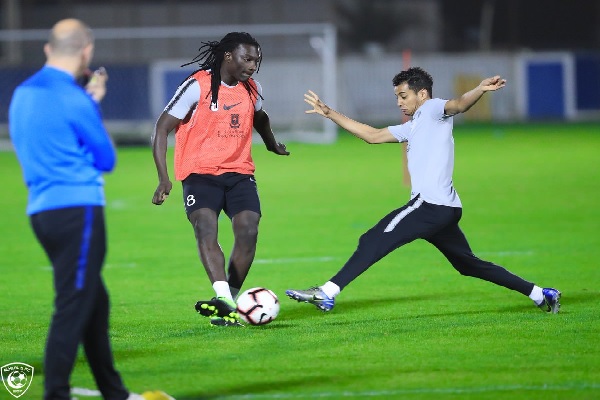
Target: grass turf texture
(410,327)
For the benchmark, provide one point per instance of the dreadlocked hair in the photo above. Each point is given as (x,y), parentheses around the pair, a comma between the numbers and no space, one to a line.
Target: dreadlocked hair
(210,58)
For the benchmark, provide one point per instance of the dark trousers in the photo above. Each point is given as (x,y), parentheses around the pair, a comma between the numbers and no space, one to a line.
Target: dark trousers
(439,226)
(75,241)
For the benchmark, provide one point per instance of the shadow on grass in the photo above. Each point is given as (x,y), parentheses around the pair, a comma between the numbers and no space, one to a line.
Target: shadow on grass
(569,302)
(249,390)
(351,306)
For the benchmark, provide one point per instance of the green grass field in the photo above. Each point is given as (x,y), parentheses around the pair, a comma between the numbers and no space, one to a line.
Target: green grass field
(410,327)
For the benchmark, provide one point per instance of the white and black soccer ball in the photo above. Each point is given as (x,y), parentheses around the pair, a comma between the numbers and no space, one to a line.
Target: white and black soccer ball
(17,379)
(258,306)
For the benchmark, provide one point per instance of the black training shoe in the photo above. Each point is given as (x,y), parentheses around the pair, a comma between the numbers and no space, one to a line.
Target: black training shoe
(218,307)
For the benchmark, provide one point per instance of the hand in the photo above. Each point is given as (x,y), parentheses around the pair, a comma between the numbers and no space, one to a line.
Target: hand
(280,149)
(162,192)
(493,83)
(318,106)
(96,87)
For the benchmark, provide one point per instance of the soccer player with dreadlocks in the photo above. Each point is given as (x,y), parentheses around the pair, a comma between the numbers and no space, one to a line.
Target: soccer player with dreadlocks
(213,112)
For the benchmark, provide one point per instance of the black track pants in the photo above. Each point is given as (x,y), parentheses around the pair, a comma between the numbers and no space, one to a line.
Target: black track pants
(75,241)
(439,226)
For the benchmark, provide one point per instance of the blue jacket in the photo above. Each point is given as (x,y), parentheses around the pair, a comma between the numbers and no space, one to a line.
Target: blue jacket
(60,141)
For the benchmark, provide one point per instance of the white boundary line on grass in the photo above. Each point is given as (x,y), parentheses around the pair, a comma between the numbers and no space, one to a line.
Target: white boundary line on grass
(108,265)
(296,260)
(293,260)
(323,259)
(384,393)
(387,393)
(331,258)
(85,392)
(507,253)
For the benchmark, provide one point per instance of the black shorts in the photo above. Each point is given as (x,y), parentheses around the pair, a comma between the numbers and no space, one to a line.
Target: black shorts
(230,192)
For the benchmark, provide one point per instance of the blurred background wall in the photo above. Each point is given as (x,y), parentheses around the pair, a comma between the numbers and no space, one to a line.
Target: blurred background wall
(548,50)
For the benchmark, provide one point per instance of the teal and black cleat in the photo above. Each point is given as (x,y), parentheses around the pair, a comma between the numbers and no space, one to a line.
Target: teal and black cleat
(313,295)
(551,302)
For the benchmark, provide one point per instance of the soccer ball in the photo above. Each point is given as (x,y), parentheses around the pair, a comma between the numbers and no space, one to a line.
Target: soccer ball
(258,306)
(17,379)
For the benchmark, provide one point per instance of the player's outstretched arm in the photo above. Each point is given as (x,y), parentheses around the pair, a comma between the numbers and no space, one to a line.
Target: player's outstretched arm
(466,101)
(362,131)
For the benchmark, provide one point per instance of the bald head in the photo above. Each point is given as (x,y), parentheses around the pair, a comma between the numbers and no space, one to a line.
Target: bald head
(69,37)
(70,46)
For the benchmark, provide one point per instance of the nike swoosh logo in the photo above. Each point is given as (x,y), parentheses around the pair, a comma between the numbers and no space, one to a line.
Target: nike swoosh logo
(226,107)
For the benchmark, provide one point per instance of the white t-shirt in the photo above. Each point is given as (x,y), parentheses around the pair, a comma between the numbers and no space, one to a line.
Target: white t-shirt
(187,94)
(430,153)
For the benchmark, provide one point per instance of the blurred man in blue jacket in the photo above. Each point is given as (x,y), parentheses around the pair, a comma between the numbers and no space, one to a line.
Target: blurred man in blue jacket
(63,148)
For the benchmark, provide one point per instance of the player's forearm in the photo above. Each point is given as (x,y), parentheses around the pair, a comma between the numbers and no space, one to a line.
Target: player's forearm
(468,99)
(358,129)
(262,124)
(159,152)
(268,137)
